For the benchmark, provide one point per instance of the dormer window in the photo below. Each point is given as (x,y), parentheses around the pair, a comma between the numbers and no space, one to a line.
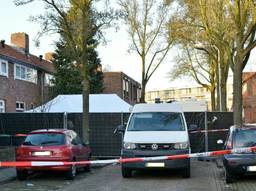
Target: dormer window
(3,68)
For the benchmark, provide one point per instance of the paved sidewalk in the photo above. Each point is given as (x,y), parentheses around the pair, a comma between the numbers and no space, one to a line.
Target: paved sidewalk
(7,174)
(7,154)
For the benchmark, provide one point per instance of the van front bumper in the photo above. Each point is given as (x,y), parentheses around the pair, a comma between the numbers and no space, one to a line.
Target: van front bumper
(168,164)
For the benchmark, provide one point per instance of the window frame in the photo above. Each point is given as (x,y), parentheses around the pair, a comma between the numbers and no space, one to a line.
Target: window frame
(27,69)
(3,106)
(47,79)
(20,109)
(7,68)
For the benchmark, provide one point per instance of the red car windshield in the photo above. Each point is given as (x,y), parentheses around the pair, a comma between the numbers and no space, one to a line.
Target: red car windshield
(45,139)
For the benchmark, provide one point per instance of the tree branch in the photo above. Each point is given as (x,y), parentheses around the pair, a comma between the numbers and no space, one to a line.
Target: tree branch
(166,49)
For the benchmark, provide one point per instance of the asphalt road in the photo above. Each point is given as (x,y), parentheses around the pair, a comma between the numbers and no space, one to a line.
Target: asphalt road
(204,176)
(109,179)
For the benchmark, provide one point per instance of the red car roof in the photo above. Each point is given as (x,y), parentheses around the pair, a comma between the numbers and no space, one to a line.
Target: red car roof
(49,130)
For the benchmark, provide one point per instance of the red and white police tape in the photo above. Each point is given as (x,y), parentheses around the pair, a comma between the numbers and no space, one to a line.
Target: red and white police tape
(126,160)
(209,130)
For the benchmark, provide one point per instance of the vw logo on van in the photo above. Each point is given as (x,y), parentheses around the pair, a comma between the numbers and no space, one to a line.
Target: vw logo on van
(154,146)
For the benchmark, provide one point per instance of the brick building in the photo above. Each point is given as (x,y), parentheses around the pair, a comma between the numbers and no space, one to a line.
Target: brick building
(24,78)
(122,85)
(249,97)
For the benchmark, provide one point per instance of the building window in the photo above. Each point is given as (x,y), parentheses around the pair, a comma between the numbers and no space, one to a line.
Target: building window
(20,106)
(188,90)
(25,73)
(48,79)
(3,68)
(139,94)
(127,86)
(124,85)
(2,106)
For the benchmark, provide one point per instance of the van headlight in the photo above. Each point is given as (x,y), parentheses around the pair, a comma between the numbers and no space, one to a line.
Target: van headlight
(129,146)
(181,145)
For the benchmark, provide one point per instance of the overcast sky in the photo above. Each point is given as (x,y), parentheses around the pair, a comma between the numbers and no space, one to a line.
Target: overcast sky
(114,53)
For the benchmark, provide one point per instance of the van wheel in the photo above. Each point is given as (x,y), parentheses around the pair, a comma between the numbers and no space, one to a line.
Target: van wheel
(71,173)
(126,172)
(186,172)
(229,178)
(22,174)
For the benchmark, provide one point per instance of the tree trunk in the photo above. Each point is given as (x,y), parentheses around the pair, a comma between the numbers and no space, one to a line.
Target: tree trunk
(224,95)
(143,78)
(237,91)
(213,101)
(86,91)
(143,91)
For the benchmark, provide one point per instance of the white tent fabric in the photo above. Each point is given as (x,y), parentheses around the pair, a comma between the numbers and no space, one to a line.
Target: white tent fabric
(99,103)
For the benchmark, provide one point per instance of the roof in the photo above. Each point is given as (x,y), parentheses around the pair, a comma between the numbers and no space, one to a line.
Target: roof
(158,107)
(180,106)
(193,105)
(122,74)
(49,130)
(16,54)
(99,103)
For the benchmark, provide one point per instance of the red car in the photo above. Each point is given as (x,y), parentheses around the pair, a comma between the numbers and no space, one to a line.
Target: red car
(52,145)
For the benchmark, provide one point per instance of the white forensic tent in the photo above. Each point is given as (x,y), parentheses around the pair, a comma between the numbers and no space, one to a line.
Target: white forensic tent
(98,103)
(193,105)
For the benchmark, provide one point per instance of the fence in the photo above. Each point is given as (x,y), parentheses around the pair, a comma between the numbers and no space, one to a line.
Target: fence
(103,142)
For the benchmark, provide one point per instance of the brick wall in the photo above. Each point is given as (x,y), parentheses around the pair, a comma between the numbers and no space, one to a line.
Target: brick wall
(249,97)
(12,90)
(113,83)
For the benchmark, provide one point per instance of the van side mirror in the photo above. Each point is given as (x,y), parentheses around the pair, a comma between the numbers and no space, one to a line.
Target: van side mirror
(120,129)
(192,127)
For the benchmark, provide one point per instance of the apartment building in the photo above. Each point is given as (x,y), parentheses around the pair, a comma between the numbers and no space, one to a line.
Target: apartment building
(124,86)
(188,93)
(24,77)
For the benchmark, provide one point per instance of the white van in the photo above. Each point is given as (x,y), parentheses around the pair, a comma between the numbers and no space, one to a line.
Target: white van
(156,130)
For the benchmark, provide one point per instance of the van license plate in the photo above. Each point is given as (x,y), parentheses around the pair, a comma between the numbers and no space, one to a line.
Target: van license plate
(155,164)
(251,168)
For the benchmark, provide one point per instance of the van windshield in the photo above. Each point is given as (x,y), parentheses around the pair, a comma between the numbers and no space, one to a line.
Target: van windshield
(156,121)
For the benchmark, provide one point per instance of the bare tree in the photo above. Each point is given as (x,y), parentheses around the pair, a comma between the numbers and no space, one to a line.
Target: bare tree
(243,16)
(199,66)
(203,24)
(146,22)
(78,21)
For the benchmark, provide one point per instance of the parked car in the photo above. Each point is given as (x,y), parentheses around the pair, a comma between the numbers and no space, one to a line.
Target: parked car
(52,145)
(238,164)
(156,130)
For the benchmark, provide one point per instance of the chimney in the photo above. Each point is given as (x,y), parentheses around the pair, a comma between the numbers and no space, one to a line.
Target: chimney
(49,56)
(3,43)
(20,40)
(40,57)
